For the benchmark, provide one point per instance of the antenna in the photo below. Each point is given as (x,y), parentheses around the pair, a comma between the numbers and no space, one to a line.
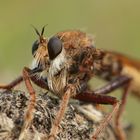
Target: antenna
(37,32)
(43,29)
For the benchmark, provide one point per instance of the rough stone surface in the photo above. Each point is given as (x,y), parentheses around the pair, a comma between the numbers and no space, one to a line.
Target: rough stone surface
(75,125)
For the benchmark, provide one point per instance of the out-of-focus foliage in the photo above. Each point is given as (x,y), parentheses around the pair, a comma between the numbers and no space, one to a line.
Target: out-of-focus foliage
(115,25)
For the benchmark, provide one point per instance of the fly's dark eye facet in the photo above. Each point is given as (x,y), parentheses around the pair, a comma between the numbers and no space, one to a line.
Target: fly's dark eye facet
(54,47)
(35,46)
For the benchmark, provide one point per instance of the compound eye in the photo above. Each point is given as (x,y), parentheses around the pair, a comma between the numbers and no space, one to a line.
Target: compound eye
(35,46)
(54,47)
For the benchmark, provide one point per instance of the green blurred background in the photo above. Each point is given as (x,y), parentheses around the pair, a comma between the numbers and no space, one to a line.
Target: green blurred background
(115,25)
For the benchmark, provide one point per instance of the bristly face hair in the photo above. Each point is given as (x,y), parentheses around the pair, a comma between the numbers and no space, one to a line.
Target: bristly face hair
(50,57)
(39,50)
(45,51)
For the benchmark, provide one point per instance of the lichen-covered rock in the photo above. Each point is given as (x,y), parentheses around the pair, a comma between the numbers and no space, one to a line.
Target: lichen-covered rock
(75,125)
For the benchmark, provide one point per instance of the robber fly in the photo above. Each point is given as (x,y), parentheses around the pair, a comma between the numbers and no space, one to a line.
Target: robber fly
(64,63)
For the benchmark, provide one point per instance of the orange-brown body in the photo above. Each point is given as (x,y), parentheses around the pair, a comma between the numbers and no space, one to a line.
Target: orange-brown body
(84,60)
(108,64)
(130,68)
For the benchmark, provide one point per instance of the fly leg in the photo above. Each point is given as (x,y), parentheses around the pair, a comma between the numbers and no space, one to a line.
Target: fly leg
(119,82)
(64,103)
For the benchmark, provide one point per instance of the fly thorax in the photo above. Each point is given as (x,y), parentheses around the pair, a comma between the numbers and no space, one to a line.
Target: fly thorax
(57,74)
